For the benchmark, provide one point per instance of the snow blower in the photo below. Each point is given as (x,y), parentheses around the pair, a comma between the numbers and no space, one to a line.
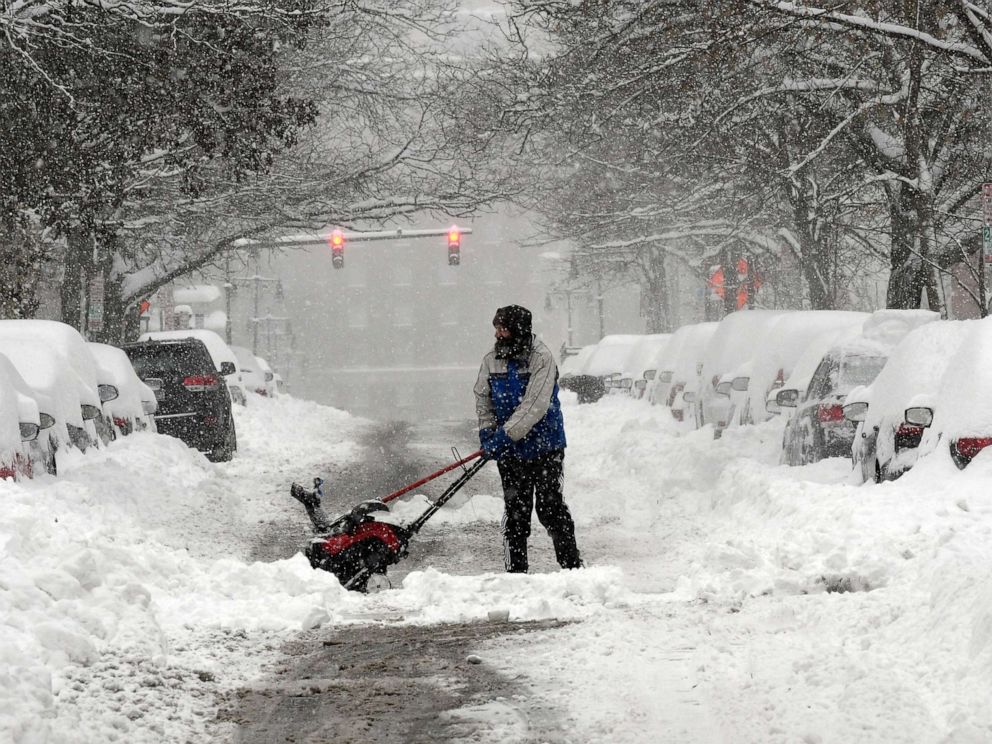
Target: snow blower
(359,544)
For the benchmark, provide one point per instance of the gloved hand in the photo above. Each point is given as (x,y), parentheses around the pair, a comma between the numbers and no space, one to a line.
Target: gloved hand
(485,435)
(497,445)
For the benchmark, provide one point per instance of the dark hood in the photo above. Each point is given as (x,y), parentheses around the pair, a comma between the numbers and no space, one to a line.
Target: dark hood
(517,320)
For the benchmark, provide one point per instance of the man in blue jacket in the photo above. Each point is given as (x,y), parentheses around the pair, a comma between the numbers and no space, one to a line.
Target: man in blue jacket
(521,427)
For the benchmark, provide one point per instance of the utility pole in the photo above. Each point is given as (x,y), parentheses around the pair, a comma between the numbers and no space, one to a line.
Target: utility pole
(599,307)
(228,288)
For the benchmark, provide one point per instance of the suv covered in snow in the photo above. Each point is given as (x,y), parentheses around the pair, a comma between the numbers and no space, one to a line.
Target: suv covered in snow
(193,401)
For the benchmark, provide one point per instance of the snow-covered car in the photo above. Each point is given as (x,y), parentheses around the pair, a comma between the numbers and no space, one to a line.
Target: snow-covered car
(126,404)
(20,426)
(269,375)
(688,345)
(251,372)
(774,357)
(588,389)
(219,351)
(890,426)
(957,418)
(818,427)
(729,348)
(54,361)
(609,359)
(638,369)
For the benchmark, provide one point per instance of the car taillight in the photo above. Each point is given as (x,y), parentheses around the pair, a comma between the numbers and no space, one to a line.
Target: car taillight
(120,422)
(829,414)
(968,447)
(908,431)
(210,420)
(8,472)
(200,383)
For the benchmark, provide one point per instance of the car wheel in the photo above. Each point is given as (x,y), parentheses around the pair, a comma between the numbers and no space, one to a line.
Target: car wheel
(226,451)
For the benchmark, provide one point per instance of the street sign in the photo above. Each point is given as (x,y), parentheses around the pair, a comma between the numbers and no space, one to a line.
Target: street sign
(987,243)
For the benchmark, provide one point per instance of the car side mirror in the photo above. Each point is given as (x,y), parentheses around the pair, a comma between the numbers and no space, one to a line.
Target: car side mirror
(689,397)
(919,416)
(47,420)
(723,388)
(227,368)
(89,412)
(666,377)
(855,412)
(29,431)
(740,384)
(787,398)
(650,373)
(107,392)
(269,376)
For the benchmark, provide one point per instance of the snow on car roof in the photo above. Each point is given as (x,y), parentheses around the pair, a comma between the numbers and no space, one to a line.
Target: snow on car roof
(734,339)
(689,343)
(116,365)
(645,351)
(610,354)
(915,367)
(46,371)
(573,363)
(61,338)
(787,338)
(216,346)
(964,396)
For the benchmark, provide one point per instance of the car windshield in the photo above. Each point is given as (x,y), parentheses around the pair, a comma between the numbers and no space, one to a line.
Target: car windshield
(860,370)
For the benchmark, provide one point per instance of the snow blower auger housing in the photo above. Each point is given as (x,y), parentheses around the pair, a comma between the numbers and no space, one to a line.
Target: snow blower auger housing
(360,543)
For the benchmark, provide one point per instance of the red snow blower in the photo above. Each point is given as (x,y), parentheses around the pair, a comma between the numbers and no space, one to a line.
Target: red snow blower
(357,545)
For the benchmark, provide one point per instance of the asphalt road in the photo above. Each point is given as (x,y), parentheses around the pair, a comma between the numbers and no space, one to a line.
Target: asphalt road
(393,684)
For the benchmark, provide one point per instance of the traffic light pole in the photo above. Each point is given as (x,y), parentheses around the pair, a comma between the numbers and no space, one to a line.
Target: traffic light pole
(310,241)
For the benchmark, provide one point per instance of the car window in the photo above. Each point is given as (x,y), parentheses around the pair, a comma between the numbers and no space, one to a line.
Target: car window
(169,359)
(861,370)
(820,383)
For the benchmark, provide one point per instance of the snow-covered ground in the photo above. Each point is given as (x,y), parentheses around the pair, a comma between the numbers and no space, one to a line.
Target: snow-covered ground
(726,598)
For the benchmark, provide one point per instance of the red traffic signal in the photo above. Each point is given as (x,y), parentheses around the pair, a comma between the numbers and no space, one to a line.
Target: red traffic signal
(337,249)
(454,246)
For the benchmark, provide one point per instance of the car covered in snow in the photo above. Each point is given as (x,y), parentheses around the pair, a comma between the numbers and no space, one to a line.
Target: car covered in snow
(639,368)
(775,355)
(53,359)
(728,350)
(685,356)
(128,403)
(251,373)
(268,375)
(609,359)
(818,428)
(21,453)
(219,351)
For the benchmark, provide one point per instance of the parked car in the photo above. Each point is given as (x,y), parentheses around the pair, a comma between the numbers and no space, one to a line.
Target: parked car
(960,413)
(121,391)
(268,375)
(193,402)
(888,415)
(689,345)
(818,428)
(54,361)
(638,369)
(609,358)
(728,349)
(20,426)
(775,355)
(589,389)
(251,372)
(220,352)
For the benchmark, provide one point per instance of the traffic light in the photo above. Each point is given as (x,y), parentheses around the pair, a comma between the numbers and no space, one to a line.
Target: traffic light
(337,249)
(454,246)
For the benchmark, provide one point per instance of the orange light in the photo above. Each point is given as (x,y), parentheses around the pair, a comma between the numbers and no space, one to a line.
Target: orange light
(453,235)
(337,238)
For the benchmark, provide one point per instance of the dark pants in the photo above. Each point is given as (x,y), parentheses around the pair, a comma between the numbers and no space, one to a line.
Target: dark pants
(530,483)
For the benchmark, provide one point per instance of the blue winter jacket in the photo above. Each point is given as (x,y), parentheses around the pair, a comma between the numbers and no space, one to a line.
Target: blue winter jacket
(521,395)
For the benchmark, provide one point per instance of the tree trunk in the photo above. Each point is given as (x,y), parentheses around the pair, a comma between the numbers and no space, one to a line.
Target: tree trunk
(20,257)
(77,258)
(654,292)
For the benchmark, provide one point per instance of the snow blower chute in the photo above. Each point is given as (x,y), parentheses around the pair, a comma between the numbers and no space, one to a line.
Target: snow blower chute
(357,545)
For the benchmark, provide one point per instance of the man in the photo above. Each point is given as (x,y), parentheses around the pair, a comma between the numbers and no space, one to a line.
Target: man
(521,427)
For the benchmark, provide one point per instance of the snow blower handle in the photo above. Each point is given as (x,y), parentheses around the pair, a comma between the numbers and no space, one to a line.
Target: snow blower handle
(432,476)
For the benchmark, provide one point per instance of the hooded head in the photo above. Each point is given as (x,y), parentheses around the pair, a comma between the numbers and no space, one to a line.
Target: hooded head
(513,327)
